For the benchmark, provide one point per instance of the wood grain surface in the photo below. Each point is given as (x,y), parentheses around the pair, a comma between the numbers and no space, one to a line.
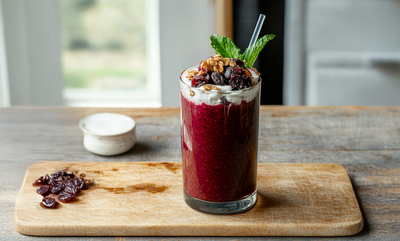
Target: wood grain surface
(365,140)
(146,199)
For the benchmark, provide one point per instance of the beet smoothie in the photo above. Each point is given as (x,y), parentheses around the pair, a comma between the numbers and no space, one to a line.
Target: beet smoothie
(220,103)
(219,149)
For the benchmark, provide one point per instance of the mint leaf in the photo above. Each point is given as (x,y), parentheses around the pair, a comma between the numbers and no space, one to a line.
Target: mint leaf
(251,54)
(224,46)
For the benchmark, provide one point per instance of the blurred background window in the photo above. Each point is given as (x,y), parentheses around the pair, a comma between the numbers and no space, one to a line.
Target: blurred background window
(104,54)
(129,53)
(108,53)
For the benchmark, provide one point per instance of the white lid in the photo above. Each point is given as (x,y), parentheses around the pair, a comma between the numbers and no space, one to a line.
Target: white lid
(107,124)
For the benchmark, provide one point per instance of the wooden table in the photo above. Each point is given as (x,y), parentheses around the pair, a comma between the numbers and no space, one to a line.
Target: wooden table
(366,140)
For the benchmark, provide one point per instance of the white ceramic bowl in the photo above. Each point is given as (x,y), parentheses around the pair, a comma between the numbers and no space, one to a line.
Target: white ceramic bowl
(108,134)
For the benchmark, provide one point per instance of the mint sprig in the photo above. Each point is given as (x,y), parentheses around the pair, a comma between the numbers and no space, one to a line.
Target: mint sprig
(225,47)
(251,54)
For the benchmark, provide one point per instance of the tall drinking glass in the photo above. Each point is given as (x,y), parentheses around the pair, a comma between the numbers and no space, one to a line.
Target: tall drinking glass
(219,137)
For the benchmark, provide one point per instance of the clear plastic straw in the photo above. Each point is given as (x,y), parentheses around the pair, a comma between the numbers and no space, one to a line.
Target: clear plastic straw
(256,32)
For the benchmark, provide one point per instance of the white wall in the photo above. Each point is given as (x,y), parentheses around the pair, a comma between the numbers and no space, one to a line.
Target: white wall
(185,28)
(4,88)
(32,38)
(353,25)
(342,29)
(31,33)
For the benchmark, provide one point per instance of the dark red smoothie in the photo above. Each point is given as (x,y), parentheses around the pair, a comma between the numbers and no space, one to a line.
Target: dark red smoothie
(219,149)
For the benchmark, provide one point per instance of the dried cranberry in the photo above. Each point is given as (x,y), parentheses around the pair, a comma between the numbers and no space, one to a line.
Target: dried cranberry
(39,181)
(228,72)
(224,101)
(239,79)
(238,62)
(65,197)
(201,80)
(201,67)
(47,179)
(48,202)
(79,183)
(58,187)
(52,182)
(44,190)
(71,190)
(237,72)
(69,174)
(69,183)
(218,79)
(56,175)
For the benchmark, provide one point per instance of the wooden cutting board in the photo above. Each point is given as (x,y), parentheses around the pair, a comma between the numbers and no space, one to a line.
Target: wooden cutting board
(146,199)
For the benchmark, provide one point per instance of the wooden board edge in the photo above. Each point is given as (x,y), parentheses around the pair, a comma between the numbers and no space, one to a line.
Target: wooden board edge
(18,224)
(26,227)
(187,231)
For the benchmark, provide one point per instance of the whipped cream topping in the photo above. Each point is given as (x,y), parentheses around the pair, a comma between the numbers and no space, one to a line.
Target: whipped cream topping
(213,97)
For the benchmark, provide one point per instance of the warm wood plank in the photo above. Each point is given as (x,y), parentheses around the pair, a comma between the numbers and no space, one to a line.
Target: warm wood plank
(366,140)
(293,200)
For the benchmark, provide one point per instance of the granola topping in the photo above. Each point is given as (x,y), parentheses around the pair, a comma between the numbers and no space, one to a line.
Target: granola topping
(207,87)
(212,87)
(220,71)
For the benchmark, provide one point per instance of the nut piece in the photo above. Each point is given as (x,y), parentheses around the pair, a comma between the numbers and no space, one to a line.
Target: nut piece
(191,74)
(207,87)
(218,57)
(215,64)
(206,64)
(216,88)
(226,61)
(191,93)
(232,64)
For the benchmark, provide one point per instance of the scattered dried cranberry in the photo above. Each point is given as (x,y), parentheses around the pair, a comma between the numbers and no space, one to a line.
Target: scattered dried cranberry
(52,182)
(56,175)
(79,183)
(71,190)
(48,202)
(69,174)
(65,197)
(47,179)
(39,181)
(69,183)
(65,184)
(58,187)
(44,190)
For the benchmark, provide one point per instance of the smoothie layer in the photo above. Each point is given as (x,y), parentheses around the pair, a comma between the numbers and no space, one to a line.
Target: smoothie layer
(219,149)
